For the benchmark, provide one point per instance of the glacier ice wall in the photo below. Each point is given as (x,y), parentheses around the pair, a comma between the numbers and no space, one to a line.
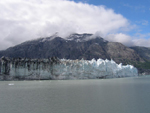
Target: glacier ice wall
(54,68)
(83,69)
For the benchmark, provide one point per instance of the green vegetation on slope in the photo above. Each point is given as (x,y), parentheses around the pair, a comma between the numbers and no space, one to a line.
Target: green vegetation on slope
(143,65)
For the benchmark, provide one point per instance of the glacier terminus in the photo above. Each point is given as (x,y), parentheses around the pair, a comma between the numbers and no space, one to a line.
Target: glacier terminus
(62,69)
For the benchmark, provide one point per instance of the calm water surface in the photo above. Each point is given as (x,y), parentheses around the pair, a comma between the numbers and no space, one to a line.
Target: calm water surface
(124,95)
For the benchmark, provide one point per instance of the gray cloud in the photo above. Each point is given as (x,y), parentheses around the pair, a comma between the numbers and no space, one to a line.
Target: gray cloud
(23,20)
(120,37)
(142,42)
(127,40)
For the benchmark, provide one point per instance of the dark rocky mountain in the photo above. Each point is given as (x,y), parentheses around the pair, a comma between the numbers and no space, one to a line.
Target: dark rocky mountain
(144,52)
(75,46)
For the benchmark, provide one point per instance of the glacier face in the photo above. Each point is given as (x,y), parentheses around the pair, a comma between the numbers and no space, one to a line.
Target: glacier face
(84,69)
(54,68)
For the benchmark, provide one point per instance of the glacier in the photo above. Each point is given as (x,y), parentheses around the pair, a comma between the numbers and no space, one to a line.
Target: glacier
(61,69)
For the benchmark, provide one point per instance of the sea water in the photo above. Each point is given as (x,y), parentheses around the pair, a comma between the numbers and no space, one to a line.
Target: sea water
(122,95)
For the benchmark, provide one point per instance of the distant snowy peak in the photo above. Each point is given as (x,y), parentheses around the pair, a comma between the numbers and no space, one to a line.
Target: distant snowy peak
(49,38)
(83,37)
(73,37)
(46,39)
(78,37)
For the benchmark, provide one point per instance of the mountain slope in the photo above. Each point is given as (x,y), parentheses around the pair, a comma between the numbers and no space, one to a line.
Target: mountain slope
(76,46)
(120,53)
(144,52)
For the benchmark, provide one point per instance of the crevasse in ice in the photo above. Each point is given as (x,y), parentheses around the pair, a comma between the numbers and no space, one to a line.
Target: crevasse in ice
(64,69)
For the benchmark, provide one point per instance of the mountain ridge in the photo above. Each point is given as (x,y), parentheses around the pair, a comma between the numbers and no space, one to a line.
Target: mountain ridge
(76,46)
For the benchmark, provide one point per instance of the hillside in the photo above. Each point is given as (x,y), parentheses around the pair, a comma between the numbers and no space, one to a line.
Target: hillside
(76,46)
(144,52)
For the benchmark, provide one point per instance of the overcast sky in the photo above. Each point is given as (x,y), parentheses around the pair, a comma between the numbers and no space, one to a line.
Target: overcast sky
(22,20)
